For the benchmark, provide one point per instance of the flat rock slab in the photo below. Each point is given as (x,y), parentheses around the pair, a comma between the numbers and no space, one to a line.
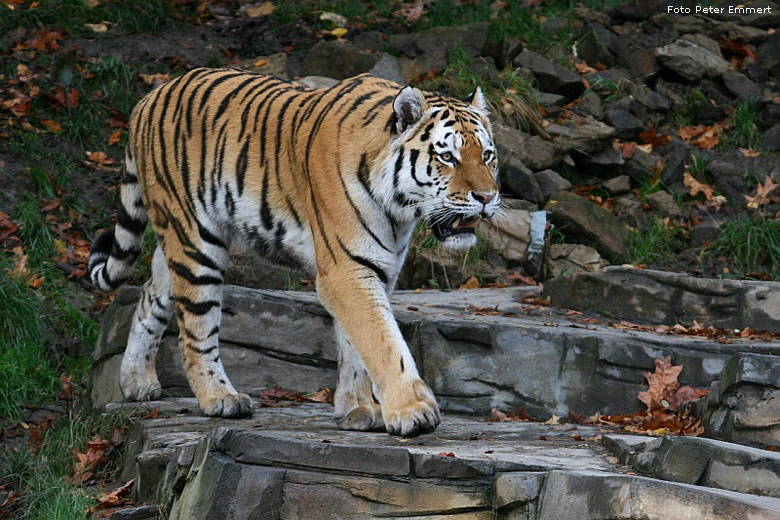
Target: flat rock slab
(478,349)
(292,463)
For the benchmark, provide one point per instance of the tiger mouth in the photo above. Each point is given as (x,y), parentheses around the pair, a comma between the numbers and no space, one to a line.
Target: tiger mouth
(457,225)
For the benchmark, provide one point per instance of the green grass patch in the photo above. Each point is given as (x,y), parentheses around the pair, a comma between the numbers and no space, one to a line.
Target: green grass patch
(42,476)
(657,242)
(752,245)
(132,16)
(745,126)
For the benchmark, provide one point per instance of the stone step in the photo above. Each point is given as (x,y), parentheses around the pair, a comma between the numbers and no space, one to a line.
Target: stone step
(478,349)
(292,463)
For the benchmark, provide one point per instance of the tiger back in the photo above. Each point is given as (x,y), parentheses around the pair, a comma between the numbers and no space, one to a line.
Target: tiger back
(331,182)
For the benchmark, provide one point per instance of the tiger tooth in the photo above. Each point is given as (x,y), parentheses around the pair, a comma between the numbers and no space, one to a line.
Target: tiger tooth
(456,223)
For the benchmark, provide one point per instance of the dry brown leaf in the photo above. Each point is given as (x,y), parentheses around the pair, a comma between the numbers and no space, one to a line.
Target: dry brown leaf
(471,283)
(115,137)
(696,186)
(98,27)
(155,80)
(100,158)
(762,193)
(261,63)
(410,12)
(650,137)
(259,9)
(686,133)
(746,152)
(584,68)
(117,496)
(51,126)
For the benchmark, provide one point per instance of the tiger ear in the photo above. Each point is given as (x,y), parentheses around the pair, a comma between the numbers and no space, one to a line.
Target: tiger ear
(477,100)
(409,106)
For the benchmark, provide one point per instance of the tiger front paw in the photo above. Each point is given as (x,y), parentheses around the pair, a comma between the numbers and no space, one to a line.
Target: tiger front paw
(365,418)
(229,406)
(414,415)
(140,387)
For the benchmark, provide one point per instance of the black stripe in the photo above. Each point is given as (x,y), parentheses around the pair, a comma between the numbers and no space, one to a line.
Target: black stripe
(293,212)
(241,166)
(120,253)
(197,308)
(364,174)
(359,101)
(209,237)
(136,226)
(214,84)
(364,262)
(185,272)
(399,162)
(357,212)
(413,154)
(199,351)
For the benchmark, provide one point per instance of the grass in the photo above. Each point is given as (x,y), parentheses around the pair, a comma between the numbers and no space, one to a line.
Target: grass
(134,16)
(745,126)
(752,245)
(43,475)
(659,241)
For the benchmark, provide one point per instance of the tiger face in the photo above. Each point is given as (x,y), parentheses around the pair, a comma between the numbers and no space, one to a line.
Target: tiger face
(446,167)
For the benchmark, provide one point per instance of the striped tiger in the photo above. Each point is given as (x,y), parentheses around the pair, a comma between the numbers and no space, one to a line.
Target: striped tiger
(328,181)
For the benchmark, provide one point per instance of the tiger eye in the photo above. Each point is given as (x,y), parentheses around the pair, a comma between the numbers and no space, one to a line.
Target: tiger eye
(446,156)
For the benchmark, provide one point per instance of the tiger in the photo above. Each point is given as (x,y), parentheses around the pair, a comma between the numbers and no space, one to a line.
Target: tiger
(329,181)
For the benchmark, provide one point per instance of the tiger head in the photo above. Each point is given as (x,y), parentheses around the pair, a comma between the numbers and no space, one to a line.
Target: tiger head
(445,165)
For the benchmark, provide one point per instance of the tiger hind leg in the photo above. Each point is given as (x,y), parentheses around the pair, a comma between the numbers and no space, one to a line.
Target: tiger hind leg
(138,377)
(356,408)
(197,271)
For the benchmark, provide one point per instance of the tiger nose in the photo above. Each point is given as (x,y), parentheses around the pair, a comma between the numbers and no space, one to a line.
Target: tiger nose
(484,198)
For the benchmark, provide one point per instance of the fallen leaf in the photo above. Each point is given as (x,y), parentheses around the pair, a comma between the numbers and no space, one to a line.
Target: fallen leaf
(156,79)
(650,137)
(584,68)
(686,133)
(51,126)
(696,186)
(339,32)
(115,137)
(117,496)
(261,63)
(553,420)
(98,27)
(471,283)
(100,158)
(323,396)
(258,10)
(762,192)
(749,153)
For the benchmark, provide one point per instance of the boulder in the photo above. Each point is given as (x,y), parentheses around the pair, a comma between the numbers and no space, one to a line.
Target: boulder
(276,65)
(549,181)
(729,180)
(317,82)
(413,69)
(770,139)
(650,99)
(551,77)
(472,38)
(656,297)
(388,68)
(705,231)
(566,259)
(337,59)
(769,54)
(700,461)
(508,234)
(585,135)
(691,61)
(519,181)
(584,222)
(703,41)
(590,105)
(627,126)
(594,46)
(632,54)
(618,77)
(664,203)
(532,151)
(740,85)
(619,185)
